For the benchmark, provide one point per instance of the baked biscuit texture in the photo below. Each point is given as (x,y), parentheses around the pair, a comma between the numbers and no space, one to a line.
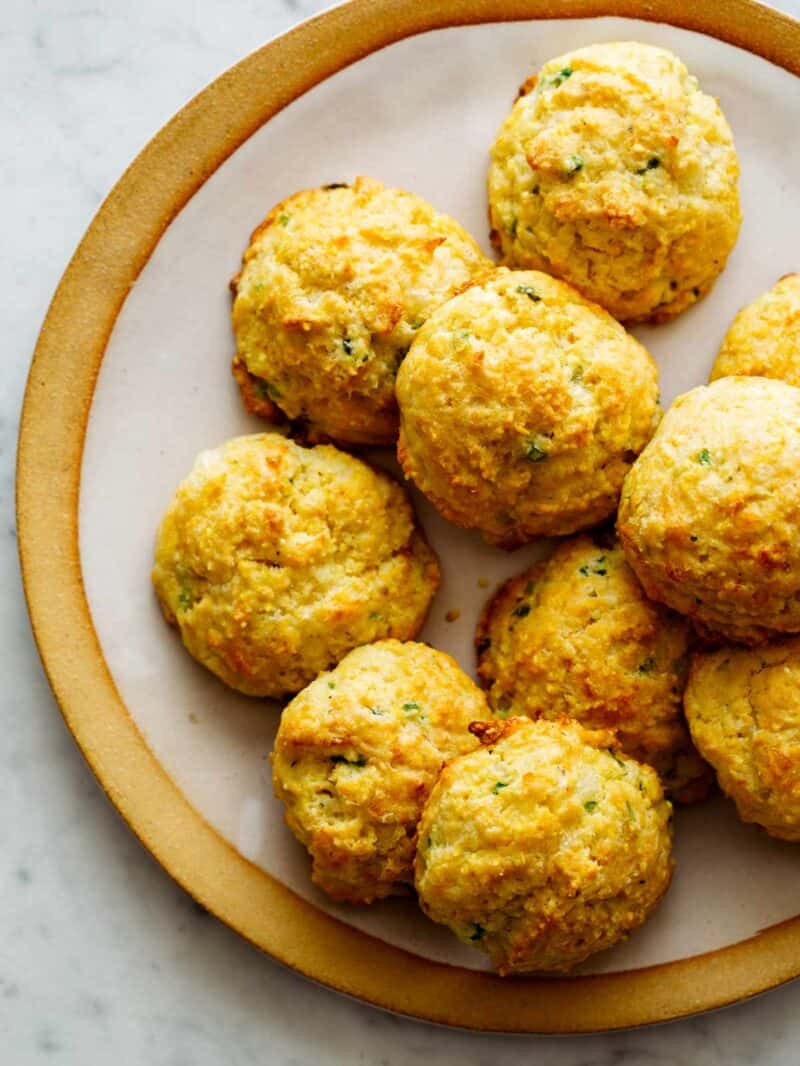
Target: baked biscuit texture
(357,754)
(710,511)
(334,286)
(522,408)
(544,846)
(743,707)
(274,561)
(576,636)
(615,172)
(764,340)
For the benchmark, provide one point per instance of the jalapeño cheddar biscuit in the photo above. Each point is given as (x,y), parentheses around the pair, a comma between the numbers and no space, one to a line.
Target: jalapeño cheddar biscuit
(274,561)
(333,288)
(615,172)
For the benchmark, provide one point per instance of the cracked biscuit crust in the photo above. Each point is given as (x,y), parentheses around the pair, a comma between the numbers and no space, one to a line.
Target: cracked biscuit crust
(274,561)
(576,636)
(709,513)
(544,846)
(334,286)
(523,407)
(357,754)
(614,172)
(743,708)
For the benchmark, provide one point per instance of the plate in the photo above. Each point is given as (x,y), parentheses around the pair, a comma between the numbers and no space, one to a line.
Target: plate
(131,379)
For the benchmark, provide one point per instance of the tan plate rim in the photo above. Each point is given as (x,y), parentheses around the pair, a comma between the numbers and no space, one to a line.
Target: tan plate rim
(58,397)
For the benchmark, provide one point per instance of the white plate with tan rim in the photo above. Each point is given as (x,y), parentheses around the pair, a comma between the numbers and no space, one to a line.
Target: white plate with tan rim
(131,379)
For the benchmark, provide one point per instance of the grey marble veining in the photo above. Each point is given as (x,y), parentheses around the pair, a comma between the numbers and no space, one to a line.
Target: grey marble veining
(102,957)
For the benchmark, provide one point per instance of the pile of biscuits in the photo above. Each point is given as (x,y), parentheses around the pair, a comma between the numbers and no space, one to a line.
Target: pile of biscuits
(533,816)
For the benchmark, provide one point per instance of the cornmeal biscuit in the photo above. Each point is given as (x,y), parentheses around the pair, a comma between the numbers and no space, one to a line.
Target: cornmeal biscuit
(333,288)
(577,636)
(522,408)
(743,708)
(274,561)
(764,340)
(357,754)
(710,512)
(614,172)
(543,847)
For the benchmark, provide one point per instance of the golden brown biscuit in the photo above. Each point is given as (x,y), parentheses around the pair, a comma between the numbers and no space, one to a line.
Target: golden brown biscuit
(357,754)
(576,636)
(543,847)
(275,560)
(614,172)
(254,393)
(522,408)
(333,287)
(710,512)
(743,708)
(764,340)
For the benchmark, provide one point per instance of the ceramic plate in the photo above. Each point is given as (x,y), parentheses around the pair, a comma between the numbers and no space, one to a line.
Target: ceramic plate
(131,379)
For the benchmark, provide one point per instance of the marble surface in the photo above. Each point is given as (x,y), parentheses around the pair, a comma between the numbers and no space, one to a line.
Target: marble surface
(101,954)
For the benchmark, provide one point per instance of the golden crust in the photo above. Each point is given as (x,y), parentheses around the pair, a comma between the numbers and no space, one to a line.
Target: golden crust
(576,636)
(764,339)
(614,172)
(334,285)
(253,391)
(743,708)
(357,754)
(275,560)
(543,847)
(522,408)
(710,511)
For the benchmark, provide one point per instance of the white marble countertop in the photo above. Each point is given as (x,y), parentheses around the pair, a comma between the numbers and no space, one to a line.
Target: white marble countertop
(102,957)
